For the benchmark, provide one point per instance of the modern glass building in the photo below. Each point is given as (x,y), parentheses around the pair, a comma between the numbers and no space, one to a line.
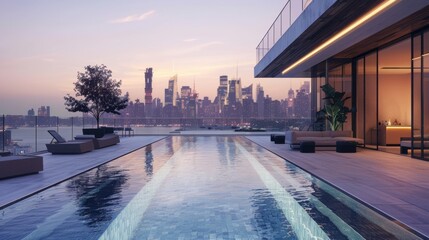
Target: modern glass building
(376,51)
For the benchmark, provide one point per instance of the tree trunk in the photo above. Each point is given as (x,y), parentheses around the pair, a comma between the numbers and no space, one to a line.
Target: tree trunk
(97,118)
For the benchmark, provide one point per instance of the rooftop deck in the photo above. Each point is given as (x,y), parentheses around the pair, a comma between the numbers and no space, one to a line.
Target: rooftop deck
(394,184)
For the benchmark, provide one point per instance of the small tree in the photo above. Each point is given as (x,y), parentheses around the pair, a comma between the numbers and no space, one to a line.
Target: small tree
(335,110)
(98,93)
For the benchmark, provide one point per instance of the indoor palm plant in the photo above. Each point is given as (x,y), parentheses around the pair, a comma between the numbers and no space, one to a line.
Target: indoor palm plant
(334,111)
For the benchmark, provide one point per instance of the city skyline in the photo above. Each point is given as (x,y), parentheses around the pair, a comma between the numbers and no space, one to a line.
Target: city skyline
(44,45)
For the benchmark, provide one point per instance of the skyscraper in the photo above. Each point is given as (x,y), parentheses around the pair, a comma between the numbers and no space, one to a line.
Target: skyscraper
(260,100)
(171,92)
(306,86)
(247,92)
(222,91)
(148,92)
(44,111)
(234,92)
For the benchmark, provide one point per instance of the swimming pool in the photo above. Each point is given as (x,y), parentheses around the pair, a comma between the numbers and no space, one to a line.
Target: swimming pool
(195,188)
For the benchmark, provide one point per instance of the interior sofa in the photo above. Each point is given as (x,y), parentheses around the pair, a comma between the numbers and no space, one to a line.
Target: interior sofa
(12,166)
(417,144)
(322,139)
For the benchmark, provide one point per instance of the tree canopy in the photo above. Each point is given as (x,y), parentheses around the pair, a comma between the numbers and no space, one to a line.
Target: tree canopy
(96,93)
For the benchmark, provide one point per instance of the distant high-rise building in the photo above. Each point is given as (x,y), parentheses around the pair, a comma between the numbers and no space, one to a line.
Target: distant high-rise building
(302,101)
(44,111)
(156,107)
(306,86)
(260,100)
(171,92)
(148,92)
(234,92)
(247,92)
(290,101)
(185,97)
(30,112)
(223,80)
(222,91)
(185,92)
(291,94)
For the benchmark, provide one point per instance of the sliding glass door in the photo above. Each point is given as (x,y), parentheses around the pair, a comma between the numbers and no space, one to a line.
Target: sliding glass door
(420,93)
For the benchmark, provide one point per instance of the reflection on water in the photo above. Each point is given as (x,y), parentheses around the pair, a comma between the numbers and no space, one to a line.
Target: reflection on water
(97,192)
(149,160)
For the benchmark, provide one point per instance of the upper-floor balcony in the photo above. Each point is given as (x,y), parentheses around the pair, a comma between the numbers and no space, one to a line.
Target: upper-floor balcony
(281,24)
(306,33)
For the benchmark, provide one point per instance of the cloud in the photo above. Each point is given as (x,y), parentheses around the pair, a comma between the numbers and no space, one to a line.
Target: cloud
(134,18)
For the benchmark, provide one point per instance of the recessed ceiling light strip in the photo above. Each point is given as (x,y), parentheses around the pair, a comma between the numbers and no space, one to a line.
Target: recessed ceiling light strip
(345,31)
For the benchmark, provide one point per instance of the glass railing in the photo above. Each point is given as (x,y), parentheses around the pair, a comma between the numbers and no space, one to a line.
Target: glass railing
(29,134)
(284,20)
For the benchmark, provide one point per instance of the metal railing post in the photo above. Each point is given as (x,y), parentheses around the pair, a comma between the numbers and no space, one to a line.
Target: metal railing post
(4,132)
(35,128)
(71,127)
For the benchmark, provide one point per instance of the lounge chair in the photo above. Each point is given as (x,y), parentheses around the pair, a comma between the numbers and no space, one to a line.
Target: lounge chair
(12,166)
(61,146)
(107,140)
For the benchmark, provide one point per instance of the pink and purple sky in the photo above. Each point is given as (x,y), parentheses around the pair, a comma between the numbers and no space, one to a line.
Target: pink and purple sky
(44,44)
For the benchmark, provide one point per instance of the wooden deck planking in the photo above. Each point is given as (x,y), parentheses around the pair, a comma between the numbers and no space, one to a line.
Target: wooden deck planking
(394,184)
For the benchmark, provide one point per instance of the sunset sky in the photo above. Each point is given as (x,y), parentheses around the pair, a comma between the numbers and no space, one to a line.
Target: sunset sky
(44,44)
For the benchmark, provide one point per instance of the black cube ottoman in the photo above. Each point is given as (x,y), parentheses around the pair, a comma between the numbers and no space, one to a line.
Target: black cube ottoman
(346,147)
(307,147)
(5,153)
(279,139)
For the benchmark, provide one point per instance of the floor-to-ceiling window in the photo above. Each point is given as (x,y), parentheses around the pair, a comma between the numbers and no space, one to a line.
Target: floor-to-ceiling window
(394,95)
(360,98)
(383,96)
(391,101)
(370,108)
(340,78)
(425,90)
(347,88)
(420,93)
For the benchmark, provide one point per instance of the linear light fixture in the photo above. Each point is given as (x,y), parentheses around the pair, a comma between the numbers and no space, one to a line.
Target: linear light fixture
(343,32)
(400,68)
(424,55)
(398,127)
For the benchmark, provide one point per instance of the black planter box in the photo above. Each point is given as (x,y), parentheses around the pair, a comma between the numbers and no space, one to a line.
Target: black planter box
(108,130)
(97,132)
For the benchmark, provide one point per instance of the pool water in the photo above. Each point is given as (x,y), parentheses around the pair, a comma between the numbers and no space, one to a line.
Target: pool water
(195,188)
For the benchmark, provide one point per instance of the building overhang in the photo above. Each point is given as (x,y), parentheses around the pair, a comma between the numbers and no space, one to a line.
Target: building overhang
(324,19)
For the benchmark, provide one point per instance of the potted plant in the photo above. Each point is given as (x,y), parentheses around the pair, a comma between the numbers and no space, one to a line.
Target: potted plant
(334,111)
